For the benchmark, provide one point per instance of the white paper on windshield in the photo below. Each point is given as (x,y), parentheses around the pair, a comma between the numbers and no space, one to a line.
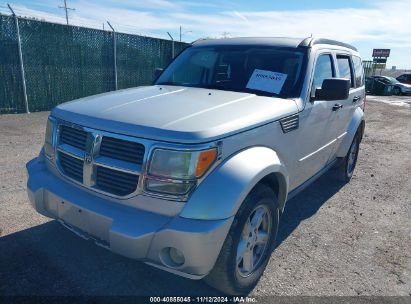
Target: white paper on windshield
(266,81)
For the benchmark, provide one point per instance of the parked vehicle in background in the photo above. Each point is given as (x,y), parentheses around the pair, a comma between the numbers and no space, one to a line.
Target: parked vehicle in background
(191,174)
(404,78)
(398,87)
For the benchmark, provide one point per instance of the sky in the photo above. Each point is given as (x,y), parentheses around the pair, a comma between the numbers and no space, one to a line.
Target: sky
(366,24)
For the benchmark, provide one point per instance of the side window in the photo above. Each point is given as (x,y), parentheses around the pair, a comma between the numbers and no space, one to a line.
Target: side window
(323,69)
(402,77)
(359,71)
(344,66)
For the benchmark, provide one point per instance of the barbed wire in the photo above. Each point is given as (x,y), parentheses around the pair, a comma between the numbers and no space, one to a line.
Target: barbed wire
(78,21)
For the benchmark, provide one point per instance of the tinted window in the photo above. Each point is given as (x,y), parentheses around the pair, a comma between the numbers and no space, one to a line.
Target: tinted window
(231,68)
(384,80)
(344,67)
(359,72)
(402,77)
(323,70)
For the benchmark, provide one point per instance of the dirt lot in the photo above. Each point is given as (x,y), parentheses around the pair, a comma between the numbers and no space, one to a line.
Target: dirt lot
(334,239)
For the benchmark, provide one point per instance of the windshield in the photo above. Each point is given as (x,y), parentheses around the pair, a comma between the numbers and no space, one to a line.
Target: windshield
(260,70)
(393,80)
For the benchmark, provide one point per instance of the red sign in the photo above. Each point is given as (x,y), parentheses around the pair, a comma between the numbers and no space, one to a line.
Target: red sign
(381,53)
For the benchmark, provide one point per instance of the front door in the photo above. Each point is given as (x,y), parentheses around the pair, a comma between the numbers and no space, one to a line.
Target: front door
(317,139)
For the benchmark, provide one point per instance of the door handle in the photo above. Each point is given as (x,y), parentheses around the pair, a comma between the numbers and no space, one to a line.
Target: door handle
(337,106)
(356,98)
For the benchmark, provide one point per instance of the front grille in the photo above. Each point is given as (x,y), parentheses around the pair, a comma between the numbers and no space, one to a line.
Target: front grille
(73,137)
(71,166)
(111,166)
(122,150)
(116,182)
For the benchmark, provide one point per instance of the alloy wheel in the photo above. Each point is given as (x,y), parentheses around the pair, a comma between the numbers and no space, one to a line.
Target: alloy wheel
(352,157)
(254,241)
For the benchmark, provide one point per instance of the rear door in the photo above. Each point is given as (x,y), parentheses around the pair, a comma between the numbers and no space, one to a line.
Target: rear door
(348,67)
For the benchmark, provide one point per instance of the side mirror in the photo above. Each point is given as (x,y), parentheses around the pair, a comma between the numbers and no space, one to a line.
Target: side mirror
(333,89)
(157,72)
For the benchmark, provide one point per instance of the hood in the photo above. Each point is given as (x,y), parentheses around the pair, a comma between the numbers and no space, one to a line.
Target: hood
(173,113)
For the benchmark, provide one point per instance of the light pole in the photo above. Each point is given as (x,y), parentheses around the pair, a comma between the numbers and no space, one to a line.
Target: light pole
(181,34)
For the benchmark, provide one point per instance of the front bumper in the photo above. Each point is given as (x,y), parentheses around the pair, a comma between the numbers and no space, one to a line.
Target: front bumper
(126,229)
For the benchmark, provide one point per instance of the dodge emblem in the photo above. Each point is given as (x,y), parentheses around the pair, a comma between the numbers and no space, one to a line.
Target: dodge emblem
(87,159)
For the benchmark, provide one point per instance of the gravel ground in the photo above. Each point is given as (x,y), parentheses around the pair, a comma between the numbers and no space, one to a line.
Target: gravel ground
(335,240)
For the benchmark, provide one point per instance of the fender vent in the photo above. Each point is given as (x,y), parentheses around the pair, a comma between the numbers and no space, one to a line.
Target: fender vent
(290,123)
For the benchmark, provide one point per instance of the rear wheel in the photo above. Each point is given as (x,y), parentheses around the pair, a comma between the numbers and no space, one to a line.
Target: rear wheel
(249,243)
(346,168)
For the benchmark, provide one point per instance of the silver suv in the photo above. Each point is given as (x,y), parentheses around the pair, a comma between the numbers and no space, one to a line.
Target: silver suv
(192,173)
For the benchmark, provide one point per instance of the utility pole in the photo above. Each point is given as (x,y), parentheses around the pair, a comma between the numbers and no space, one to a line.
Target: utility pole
(66,9)
(180,33)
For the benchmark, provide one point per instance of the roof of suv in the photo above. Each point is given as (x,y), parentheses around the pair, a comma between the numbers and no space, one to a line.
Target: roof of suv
(272,41)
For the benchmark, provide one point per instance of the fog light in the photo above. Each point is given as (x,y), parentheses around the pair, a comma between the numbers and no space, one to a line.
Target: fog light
(172,257)
(176,256)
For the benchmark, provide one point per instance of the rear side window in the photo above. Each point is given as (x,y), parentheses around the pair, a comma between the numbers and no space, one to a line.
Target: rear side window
(344,66)
(359,71)
(323,69)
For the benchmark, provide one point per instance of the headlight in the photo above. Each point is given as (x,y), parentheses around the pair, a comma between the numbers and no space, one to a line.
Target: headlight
(175,172)
(49,139)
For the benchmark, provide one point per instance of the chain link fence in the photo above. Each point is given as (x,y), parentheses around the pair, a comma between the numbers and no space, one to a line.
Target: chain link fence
(62,63)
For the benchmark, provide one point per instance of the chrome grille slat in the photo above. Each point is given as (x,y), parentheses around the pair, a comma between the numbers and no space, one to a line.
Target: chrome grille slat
(119,165)
(72,151)
(99,160)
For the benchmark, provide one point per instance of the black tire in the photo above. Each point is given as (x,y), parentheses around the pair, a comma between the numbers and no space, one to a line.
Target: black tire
(345,169)
(225,275)
(397,91)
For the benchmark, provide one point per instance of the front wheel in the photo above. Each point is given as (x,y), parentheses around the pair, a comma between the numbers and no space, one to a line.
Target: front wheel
(249,243)
(397,91)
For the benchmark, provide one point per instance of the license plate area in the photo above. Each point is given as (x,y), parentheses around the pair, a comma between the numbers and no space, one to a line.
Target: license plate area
(74,216)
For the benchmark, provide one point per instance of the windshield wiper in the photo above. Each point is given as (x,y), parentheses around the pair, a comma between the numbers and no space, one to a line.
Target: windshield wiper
(217,87)
(168,83)
(221,87)
(261,93)
(250,91)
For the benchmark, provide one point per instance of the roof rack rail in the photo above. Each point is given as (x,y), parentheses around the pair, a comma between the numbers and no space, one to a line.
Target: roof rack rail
(308,42)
